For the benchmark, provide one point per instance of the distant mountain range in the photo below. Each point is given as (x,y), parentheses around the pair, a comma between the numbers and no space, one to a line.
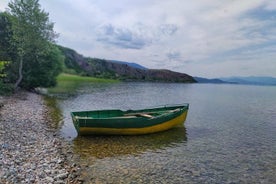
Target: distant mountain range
(134,65)
(205,80)
(252,80)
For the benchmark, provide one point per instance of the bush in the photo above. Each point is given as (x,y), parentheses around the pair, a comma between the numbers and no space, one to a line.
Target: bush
(6,89)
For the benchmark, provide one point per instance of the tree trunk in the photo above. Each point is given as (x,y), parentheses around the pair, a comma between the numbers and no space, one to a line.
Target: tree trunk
(20,76)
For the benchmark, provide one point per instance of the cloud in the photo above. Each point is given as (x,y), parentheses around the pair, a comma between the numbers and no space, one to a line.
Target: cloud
(168,29)
(173,55)
(122,37)
(270,5)
(3,5)
(200,37)
(137,36)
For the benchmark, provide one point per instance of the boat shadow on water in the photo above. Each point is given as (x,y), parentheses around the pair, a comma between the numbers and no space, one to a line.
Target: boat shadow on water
(114,146)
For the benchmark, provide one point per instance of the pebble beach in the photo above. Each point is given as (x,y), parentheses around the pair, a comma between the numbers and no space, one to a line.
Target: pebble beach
(30,150)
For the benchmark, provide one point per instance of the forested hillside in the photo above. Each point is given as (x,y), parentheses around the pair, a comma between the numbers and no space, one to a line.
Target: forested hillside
(29,57)
(95,67)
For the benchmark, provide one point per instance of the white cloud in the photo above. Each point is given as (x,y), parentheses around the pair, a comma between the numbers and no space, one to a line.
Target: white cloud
(200,37)
(3,5)
(270,5)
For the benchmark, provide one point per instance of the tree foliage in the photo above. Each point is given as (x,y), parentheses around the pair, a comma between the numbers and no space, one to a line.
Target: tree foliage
(5,35)
(4,88)
(42,71)
(29,44)
(3,65)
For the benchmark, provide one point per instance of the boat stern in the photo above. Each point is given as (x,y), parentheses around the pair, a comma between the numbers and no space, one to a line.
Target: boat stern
(75,121)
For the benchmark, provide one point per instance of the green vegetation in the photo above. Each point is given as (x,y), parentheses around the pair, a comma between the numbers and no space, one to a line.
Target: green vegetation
(33,36)
(4,88)
(3,65)
(101,68)
(27,41)
(77,78)
(68,83)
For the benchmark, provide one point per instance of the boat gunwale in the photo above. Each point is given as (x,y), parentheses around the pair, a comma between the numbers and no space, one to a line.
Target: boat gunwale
(125,114)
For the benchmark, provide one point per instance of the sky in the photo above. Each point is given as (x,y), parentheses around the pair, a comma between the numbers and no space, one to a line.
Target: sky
(205,38)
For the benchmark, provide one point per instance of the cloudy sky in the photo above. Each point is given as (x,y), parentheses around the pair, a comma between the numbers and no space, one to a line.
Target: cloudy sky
(207,38)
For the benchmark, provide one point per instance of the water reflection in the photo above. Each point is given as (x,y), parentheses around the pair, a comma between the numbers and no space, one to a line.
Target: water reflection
(112,146)
(54,113)
(230,141)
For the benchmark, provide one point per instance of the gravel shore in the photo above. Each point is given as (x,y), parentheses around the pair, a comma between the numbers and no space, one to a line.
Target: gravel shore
(30,150)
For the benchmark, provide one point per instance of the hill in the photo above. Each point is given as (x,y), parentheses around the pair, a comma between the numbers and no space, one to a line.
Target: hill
(134,65)
(205,80)
(253,80)
(112,69)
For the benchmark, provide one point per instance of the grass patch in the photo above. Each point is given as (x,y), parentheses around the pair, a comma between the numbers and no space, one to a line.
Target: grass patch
(69,77)
(68,83)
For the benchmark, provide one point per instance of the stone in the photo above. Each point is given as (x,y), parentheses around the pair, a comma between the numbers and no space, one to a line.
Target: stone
(50,179)
(62,175)
(30,153)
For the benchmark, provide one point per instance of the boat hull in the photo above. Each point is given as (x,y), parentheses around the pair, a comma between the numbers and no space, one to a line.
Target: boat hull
(128,125)
(134,131)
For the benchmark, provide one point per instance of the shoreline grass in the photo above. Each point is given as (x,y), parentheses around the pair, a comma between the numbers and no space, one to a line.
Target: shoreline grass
(68,83)
(70,77)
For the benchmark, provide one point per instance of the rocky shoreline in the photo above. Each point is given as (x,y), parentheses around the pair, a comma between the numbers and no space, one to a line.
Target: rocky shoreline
(30,150)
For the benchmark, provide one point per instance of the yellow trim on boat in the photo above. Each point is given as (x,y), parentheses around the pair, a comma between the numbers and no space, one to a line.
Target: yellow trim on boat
(135,131)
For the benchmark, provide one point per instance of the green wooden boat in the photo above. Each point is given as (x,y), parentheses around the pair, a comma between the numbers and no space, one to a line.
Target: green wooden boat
(130,122)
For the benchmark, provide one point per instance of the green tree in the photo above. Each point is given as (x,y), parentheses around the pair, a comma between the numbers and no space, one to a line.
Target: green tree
(33,37)
(4,88)
(5,53)
(2,67)
(5,35)
(45,71)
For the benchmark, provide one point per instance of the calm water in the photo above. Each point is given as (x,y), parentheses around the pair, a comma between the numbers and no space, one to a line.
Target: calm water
(229,135)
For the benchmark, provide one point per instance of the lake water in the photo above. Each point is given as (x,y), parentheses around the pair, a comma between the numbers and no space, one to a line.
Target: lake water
(229,135)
